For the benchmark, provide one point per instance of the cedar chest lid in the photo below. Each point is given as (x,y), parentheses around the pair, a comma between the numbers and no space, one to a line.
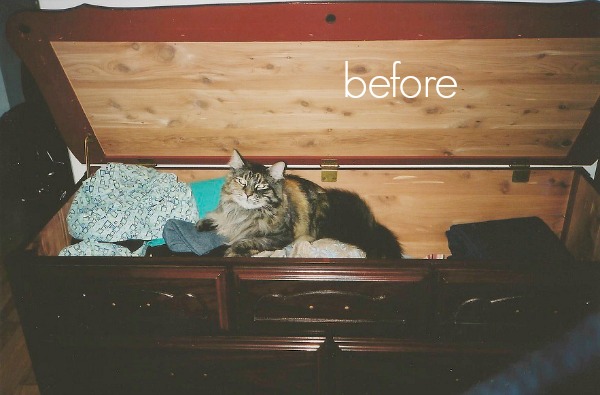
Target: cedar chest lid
(351,81)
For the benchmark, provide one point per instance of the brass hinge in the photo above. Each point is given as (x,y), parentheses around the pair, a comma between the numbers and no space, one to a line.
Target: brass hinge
(329,170)
(521,172)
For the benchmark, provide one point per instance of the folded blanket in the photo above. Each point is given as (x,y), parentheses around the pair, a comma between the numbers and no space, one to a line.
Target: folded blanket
(527,239)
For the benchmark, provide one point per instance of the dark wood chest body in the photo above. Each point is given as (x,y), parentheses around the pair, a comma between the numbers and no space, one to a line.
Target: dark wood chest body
(264,85)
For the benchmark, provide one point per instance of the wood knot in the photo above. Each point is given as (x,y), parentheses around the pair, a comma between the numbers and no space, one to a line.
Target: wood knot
(166,53)
(202,104)
(114,104)
(308,143)
(387,198)
(123,68)
(530,111)
(359,69)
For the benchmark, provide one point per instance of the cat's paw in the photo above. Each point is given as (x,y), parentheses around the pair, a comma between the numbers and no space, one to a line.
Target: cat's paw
(241,248)
(205,225)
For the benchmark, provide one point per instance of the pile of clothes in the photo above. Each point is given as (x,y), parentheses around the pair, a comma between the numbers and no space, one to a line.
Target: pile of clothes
(121,203)
(131,210)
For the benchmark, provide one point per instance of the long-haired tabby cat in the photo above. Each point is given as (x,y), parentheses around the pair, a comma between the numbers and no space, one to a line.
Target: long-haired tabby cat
(265,209)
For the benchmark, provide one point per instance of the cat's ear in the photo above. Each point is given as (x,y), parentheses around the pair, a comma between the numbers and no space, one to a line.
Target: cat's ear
(276,171)
(236,161)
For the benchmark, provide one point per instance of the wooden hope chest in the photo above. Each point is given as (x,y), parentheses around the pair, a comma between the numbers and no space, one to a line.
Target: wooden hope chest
(437,114)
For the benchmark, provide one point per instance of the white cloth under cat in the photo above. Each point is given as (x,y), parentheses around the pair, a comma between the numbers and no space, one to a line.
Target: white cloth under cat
(322,248)
(127,202)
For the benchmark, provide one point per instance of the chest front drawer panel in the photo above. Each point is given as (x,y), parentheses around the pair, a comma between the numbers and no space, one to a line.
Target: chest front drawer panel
(339,300)
(517,305)
(380,366)
(182,366)
(76,300)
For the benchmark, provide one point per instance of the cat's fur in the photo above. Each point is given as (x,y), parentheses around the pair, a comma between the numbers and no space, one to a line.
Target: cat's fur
(265,209)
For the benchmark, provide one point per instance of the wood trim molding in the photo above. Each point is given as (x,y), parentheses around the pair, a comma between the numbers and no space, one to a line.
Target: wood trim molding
(216,343)
(331,273)
(348,344)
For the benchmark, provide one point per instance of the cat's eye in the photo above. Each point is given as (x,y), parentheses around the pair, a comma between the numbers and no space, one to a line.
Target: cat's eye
(241,181)
(261,187)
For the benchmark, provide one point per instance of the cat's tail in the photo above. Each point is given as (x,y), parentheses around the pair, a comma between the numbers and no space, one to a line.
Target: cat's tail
(383,244)
(349,219)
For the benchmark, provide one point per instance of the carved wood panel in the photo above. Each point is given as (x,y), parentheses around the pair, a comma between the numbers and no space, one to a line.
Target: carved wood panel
(120,300)
(340,300)
(380,366)
(514,305)
(184,366)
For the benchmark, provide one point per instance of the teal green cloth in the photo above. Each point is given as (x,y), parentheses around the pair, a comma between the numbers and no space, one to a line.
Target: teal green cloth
(207,194)
(155,242)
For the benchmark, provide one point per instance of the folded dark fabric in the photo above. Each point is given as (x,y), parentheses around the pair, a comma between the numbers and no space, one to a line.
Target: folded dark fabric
(526,238)
(182,236)
(131,245)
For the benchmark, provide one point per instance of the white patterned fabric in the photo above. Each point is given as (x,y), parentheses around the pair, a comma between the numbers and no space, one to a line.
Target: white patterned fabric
(97,248)
(322,248)
(128,202)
